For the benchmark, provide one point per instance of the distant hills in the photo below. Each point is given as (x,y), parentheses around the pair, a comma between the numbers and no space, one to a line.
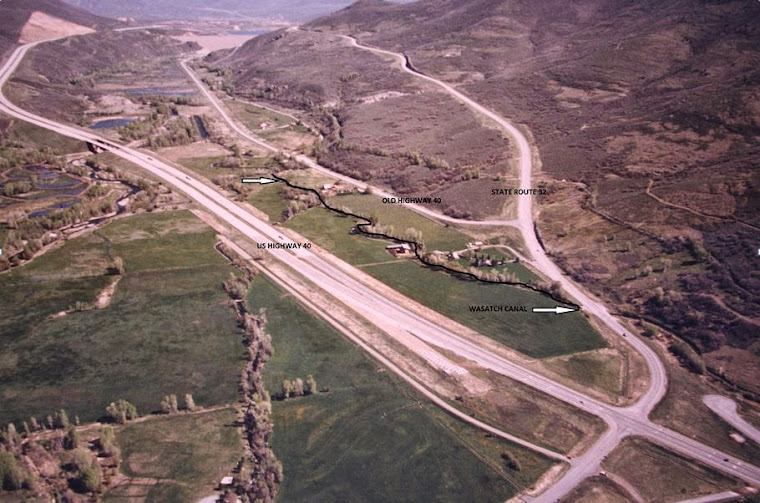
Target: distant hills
(290,10)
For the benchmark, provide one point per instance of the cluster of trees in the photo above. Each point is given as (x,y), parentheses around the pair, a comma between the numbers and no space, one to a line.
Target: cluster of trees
(298,201)
(169,404)
(687,356)
(237,286)
(163,127)
(121,411)
(298,387)
(263,482)
(57,421)
(15,188)
(86,471)
(15,152)
(419,159)
(179,131)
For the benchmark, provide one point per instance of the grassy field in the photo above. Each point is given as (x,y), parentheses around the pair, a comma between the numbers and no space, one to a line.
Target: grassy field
(368,437)
(281,129)
(46,138)
(187,454)
(535,335)
(435,235)
(595,369)
(167,329)
(598,489)
(270,200)
(252,116)
(660,475)
(333,233)
(205,165)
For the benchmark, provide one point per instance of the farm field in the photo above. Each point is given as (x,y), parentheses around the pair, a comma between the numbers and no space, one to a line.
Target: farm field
(536,336)
(178,458)
(345,443)
(167,328)
(435,235)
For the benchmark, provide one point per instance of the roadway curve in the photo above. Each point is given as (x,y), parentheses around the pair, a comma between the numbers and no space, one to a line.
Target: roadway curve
(390,317)
(728,410)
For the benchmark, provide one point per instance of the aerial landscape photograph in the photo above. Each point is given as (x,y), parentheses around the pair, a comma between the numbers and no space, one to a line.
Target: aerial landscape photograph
(341,251)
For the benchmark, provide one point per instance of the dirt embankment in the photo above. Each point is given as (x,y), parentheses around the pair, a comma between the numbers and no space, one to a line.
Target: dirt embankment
(43,26)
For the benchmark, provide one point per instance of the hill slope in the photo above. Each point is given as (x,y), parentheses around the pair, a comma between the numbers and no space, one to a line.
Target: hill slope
(647,122)
(16,13)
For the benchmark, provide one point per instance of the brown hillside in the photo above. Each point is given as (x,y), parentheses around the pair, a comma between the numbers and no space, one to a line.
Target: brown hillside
(16,13)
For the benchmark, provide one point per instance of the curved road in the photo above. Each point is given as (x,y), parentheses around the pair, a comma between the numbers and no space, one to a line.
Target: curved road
(728,410)
(390,316)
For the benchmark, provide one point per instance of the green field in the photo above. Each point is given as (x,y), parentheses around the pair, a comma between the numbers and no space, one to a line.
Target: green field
(252,116)
(435,235)
(167,329)
(43,137)
(205,165)
(270,200)
(188,454)
(369,438)
(535,335)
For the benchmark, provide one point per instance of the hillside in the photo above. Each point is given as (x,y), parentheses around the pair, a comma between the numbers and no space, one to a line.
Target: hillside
(379,124)
(16,13)
(647,122)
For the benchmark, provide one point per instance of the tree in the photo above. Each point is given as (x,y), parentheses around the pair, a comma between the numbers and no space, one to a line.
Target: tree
(61,420)
(33,423)
(10,475)
(107,441)
(11,436)
(121,411)
(166,406)
(287,389)
(189,402)
(49,422)
(88,480)
(173,403)
(298,387)
(71,441)
(311,385)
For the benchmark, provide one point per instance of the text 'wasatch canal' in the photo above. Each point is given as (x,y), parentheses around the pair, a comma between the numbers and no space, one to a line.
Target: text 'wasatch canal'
(499,308)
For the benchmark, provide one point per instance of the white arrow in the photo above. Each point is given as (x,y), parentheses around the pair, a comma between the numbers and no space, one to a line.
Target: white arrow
(555,310)
(261,180)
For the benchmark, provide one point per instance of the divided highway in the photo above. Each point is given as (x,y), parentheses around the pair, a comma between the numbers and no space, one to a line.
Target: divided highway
(390,316)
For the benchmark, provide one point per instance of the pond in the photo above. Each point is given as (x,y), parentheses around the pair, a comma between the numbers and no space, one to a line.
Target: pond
(161,91)
(112,123)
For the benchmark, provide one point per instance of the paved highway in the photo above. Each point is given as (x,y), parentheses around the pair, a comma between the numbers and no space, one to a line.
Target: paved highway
(390,316)
(728,410)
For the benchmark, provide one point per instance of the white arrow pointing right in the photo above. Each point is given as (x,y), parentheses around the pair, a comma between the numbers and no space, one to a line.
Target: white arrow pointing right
(555,310)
